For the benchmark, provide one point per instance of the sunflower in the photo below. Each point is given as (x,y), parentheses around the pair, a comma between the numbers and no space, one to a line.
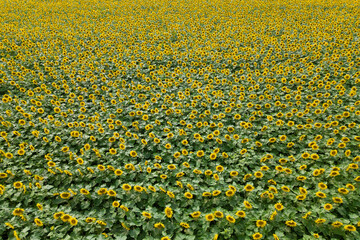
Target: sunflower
(102,191)
(337,224)
(337,200)
(112,151)
(188,195)
(65,217)
(39,206)
(302,190)
(138,188)
(18,185)
(124,208)
(65,195)
(301,197)
(184,225)
(206,194)
(350,186)
(146,215)
(240,214)
(58,215)
(101,167)
(115,204)
(118,172)
(230,219)
(258,174)
(168,212)
(320,221)
(350,228)
(279,206)
(264,168)
(133,154)
(73,221)
(159,225)
(328,206)
(3,175)
(343,191)
(38,222)
(18,212)
(322,186)
(249,188)
(200,153)
(196,214)
(320,194)
(290,223)
(219,168)
(213,156)
(260,223)
(230,193)
(216,193)
(218,214)
(126,187)
(210,217)
(247,205)
(257,236)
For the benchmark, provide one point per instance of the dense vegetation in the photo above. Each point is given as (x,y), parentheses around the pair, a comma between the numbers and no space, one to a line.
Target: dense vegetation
(179,119)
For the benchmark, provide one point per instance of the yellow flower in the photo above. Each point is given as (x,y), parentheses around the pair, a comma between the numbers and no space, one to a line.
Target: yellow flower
(320,194)
(248,188)
(146,215)
(184,225)
(126,187)
(219,168)
(39,206)
(38,222)
(200,153)
(18,185)
(188,195)
(257,236)
(260,223)
(258,174)
(65,217)
(279,206)
(118,172)
(216,193)
(65,195)
(196,214)
(210,217)
(328,206)
(218,214)
(320,220)
(350,228)
(247,205)
(18,212)
(168,212)
(337,224)
(73,221)
(116,204)
(58,215)
(291,223)
(124,208)
(241,214)
(111,193)
(133,153)
(159,225)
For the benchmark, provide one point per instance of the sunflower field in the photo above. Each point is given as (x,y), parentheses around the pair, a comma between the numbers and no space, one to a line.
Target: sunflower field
(181,120)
